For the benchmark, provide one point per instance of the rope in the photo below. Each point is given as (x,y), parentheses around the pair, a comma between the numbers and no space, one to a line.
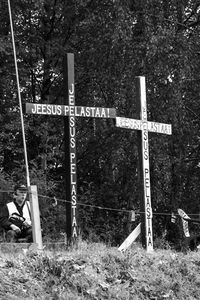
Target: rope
(19,96)
(56,200)
(137,213)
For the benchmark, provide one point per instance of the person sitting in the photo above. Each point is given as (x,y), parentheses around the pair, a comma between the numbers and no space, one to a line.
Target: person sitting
(15,217)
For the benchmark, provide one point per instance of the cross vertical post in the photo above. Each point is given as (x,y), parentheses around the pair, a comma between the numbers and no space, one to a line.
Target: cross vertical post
(144,170)
(70,151)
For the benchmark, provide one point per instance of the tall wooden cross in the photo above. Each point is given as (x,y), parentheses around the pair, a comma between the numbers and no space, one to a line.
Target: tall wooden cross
(71,111)
(144,126)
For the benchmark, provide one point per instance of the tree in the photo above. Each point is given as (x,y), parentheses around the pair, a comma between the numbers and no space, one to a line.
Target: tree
(113,42)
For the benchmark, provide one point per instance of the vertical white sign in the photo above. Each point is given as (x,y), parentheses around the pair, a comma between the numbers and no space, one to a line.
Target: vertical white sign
(146,170)
(72,134)
(72,146)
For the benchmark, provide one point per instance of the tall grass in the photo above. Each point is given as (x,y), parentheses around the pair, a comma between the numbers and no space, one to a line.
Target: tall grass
(96,271)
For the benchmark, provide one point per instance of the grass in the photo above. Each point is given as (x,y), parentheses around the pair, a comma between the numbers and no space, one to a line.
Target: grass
(95,271)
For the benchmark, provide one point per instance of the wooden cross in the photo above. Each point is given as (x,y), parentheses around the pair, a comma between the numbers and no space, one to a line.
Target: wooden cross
(71,111)
(144,126)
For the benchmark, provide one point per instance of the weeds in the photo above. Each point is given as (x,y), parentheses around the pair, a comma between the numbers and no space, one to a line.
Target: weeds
(94,271)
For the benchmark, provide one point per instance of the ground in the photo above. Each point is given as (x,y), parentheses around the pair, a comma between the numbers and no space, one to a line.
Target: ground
(96,271)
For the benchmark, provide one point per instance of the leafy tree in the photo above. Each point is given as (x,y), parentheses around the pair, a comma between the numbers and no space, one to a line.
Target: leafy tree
(113,41)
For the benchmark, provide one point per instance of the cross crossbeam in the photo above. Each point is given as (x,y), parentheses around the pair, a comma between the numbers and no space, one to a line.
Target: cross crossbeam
(128,123)
(65,110)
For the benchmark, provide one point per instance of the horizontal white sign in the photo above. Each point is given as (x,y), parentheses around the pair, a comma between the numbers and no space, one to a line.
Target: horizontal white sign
(65,110)
(138,125)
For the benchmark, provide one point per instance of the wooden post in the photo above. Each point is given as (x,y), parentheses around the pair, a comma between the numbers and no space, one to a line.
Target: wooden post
(70,150)
(72,146)
(35,216)
(146,210)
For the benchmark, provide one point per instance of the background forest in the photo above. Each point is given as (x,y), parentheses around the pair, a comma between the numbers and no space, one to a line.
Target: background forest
(113,41)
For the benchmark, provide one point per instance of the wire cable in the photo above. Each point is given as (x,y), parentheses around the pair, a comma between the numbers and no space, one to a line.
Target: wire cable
(55,201)
(19,96)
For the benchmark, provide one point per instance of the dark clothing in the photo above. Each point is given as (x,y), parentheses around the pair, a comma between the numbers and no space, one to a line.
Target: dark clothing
(4,218)
(17,219)
(5,222)
(26,234)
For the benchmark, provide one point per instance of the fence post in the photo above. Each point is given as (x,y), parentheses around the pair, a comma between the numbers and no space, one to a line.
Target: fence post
(35,216)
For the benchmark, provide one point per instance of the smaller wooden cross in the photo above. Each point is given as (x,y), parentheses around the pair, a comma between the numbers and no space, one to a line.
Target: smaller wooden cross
(144,126)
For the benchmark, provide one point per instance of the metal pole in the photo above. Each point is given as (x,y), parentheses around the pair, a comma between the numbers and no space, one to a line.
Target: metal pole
(19,96)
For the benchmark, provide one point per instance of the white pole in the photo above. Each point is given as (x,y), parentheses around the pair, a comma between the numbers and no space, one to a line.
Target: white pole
(145,166)
(35,214)
(19,96)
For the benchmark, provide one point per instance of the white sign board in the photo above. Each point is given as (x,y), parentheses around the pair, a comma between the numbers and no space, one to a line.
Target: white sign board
(138,125)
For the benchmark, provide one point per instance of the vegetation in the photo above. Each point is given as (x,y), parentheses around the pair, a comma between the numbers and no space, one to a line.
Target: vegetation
(113,41)
(94,271)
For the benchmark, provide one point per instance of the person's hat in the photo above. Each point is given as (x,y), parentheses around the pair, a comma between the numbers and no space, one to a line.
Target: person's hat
(20,187)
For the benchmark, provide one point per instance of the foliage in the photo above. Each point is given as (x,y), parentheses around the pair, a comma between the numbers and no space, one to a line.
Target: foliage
(113,41)
(94,271)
